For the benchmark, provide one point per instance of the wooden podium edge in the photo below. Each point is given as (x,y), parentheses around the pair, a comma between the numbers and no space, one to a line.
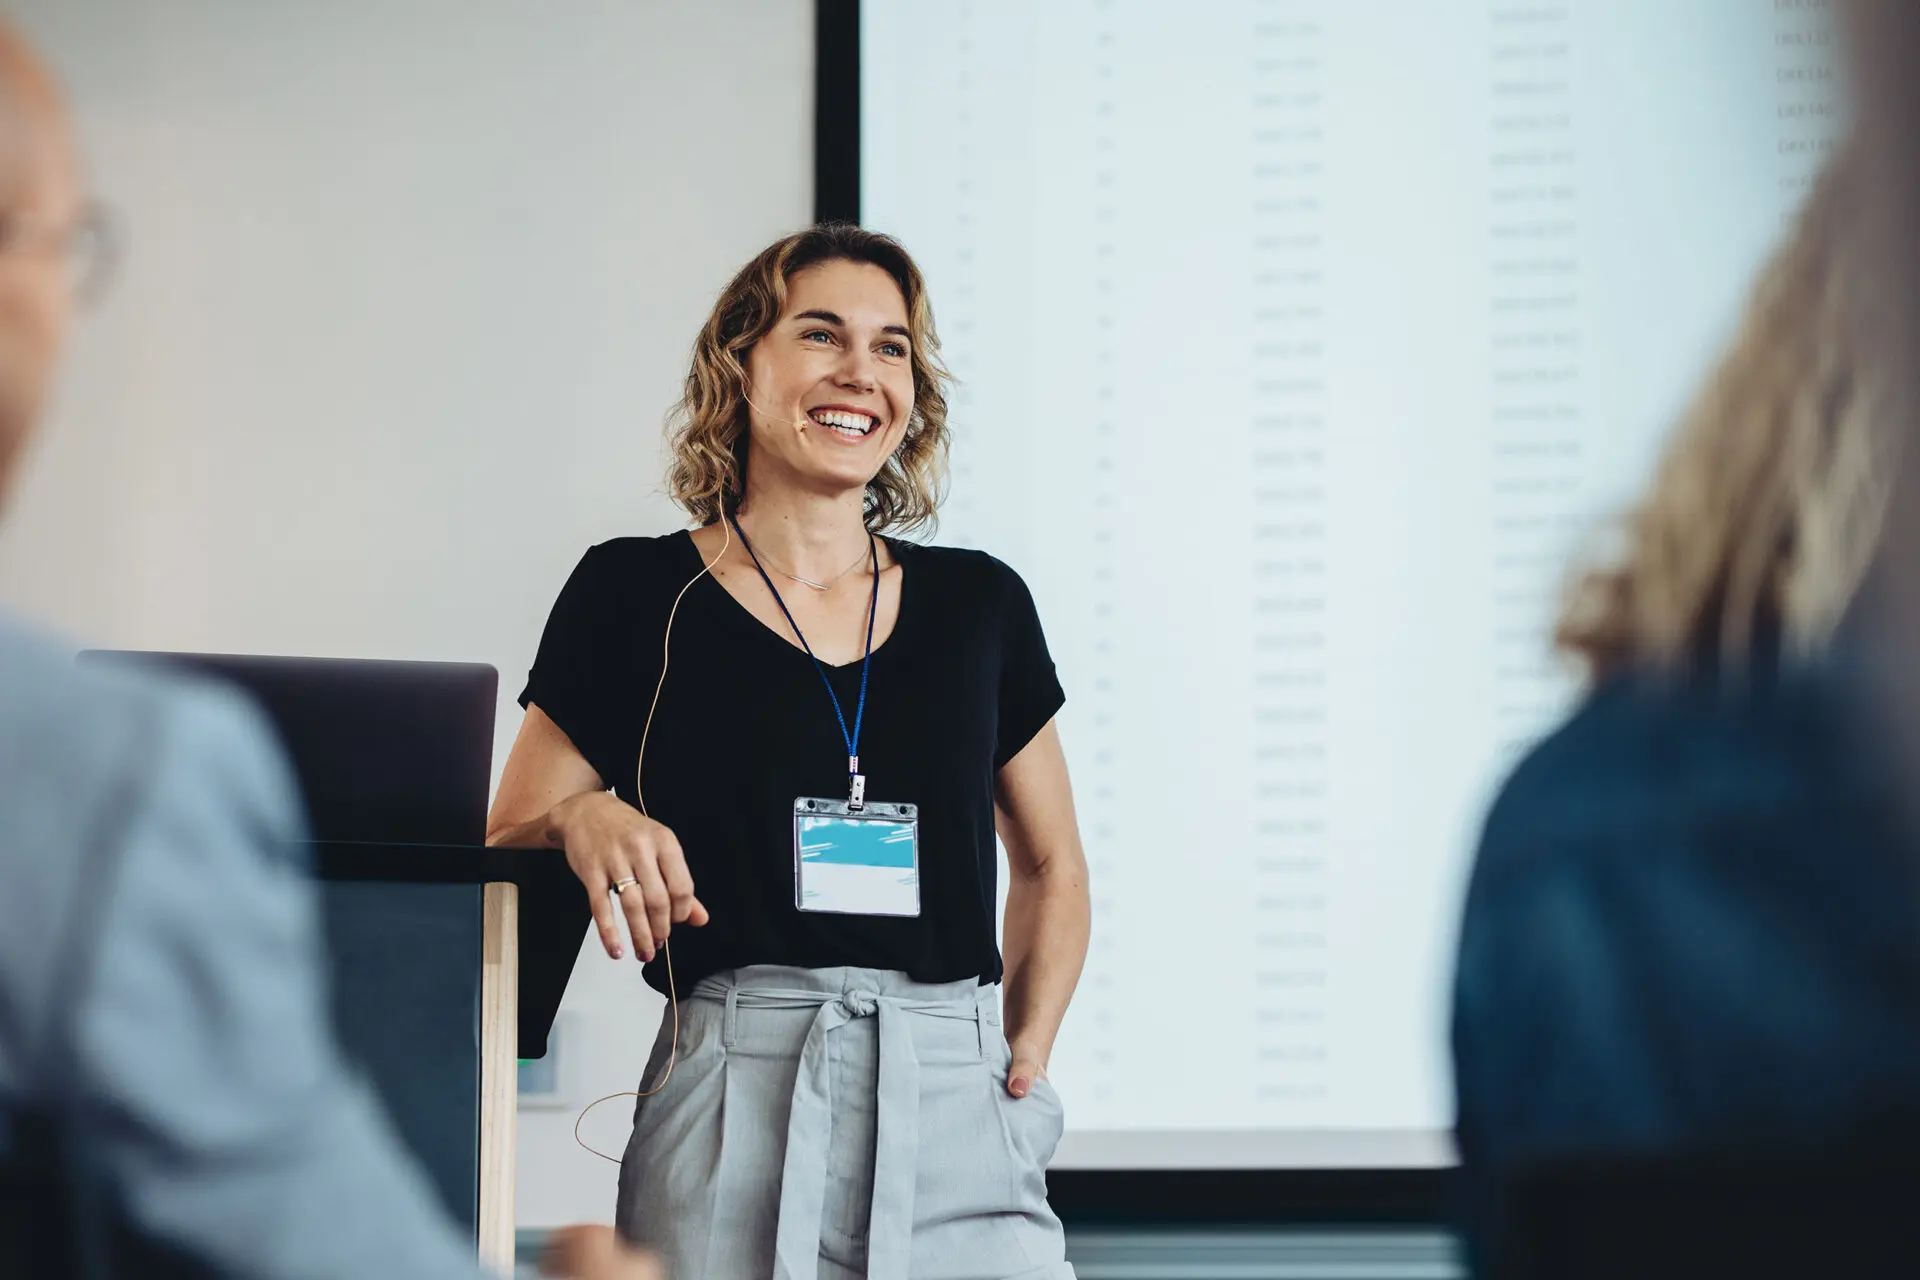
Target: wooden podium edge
(499,1071)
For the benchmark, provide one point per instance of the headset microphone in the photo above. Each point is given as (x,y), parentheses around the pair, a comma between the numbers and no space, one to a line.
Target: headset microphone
(799,423)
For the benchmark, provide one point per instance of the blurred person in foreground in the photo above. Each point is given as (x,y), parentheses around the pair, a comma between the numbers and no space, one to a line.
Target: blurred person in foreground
(171,1099)
(1692,922)
(1883,39)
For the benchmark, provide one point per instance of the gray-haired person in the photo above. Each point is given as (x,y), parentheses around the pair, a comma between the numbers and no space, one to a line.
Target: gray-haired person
(171,1099)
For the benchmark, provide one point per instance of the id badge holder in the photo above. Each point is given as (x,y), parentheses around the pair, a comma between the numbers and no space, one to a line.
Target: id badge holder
(861,861)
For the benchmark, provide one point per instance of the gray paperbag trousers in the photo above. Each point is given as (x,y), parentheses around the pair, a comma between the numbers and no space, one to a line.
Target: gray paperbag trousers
(833,1123)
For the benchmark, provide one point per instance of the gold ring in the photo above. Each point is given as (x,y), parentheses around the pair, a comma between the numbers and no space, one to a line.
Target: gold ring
(619,885)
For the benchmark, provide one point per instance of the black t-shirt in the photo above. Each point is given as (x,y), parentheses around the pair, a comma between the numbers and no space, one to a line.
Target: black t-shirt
(744,727)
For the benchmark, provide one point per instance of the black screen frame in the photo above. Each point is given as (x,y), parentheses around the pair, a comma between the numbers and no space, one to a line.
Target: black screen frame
(836,111)
(1116,1197)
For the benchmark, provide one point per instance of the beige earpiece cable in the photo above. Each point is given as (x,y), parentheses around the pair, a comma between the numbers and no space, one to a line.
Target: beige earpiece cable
(640,793)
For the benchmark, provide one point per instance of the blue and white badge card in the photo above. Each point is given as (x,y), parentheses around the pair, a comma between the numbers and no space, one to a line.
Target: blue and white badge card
(857,862)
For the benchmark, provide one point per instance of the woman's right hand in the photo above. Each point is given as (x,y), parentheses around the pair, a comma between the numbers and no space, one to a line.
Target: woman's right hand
(607,841)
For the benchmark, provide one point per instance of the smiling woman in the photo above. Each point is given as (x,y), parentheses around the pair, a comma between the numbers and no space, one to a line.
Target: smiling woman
(806,794)
(783,302)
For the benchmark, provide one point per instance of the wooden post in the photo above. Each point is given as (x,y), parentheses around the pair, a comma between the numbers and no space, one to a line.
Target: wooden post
(499,1071)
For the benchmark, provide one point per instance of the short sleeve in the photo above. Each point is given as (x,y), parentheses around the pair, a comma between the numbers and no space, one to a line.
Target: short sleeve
(571,677)
(1030,693)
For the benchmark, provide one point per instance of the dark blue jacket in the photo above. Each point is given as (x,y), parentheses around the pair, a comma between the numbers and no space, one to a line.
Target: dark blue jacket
(1694,923)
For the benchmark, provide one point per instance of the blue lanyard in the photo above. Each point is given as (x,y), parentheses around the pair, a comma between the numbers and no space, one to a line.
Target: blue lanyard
(856,784)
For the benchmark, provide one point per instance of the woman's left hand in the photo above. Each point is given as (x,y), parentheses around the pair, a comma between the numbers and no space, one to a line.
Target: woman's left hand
(1027,1067)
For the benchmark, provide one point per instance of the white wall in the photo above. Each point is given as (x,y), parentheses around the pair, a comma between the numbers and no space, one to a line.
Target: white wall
(408,290)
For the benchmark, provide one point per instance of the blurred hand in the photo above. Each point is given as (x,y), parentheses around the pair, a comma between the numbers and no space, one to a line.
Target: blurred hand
(596,1253)
(607,841)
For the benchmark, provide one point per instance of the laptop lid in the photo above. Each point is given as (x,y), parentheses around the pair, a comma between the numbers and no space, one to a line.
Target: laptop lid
(383,750)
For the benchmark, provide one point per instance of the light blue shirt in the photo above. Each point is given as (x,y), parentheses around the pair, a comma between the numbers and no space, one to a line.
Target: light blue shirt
(160,979)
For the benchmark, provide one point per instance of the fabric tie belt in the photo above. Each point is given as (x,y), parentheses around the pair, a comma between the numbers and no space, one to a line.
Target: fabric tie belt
(803,1177)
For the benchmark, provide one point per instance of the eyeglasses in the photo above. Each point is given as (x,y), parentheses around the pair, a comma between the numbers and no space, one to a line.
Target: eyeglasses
(88,246)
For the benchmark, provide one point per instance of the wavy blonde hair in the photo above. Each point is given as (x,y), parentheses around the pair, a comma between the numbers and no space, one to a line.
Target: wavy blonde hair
(708,428)
(1768,505)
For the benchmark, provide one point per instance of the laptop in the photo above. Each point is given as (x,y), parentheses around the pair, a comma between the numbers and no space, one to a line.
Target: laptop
(395,753)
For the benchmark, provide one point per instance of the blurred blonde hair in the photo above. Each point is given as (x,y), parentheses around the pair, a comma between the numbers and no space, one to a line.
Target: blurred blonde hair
(708,428)
(1768,504)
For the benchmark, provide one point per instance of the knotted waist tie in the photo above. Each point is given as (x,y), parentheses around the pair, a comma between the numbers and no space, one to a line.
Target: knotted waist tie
(803,1177)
